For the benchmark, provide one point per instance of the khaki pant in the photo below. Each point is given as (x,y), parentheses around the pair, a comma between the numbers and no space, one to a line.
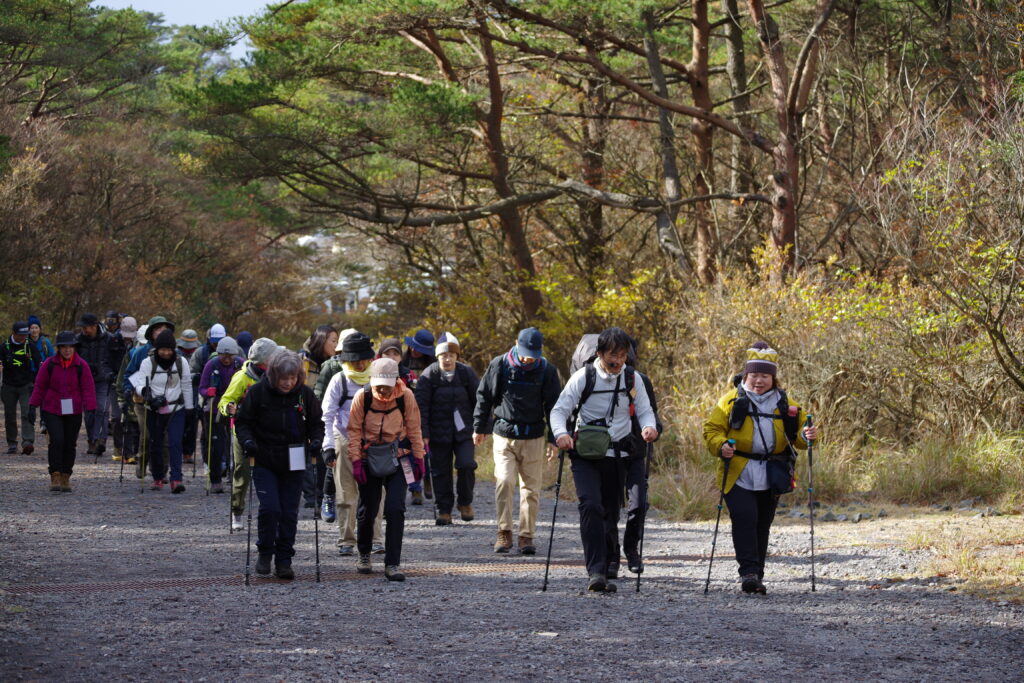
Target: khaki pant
(522,460)
(347,497)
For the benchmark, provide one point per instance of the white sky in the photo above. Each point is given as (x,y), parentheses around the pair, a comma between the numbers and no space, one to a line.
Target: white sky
(196,12)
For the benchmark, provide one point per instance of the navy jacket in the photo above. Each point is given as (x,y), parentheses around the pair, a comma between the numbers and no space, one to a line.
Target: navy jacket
(439,399)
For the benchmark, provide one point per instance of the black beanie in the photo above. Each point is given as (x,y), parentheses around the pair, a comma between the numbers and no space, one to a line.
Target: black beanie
(165,340)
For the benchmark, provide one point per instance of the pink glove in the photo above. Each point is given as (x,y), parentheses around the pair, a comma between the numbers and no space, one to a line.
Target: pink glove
(419,469)
(358,472)
(211,391)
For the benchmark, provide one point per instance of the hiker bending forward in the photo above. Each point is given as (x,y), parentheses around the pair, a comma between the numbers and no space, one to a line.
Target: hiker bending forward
(280,429)
(759,468)
(382,415)
(594,427)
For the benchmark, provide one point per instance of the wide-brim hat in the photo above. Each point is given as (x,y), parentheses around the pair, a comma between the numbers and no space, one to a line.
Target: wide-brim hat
(153,322)
(356,347)
(66,338)
(189,339)
(422,341)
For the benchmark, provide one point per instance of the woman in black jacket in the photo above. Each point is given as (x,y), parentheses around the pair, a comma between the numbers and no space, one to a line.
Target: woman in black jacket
(446,396)
(280,427)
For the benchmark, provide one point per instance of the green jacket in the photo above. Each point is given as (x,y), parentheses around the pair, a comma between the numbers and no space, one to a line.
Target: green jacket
(240,383)
(328,370)
(717,432)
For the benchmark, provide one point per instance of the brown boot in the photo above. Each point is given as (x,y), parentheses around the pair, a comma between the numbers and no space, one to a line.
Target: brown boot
(55,481)
(65,482)
(467,513)
(504,542)
(526,546)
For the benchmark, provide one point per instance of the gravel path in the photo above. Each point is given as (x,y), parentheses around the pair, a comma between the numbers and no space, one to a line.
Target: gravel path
(166,601)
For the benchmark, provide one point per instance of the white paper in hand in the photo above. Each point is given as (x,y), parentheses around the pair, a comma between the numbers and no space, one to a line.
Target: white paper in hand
(66,406)
(296,458)
(459,424)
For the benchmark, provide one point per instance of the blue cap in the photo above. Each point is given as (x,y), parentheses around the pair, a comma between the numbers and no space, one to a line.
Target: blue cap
(529,343)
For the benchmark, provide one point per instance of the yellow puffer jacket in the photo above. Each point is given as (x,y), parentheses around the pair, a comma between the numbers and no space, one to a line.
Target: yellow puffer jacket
(239,384)
(717,432)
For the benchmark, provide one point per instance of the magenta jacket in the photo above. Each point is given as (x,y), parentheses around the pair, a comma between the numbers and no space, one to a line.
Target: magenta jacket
(54,382)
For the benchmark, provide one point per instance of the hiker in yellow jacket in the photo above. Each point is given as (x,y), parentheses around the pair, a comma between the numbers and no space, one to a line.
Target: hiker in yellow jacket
(250,373)
(759,466)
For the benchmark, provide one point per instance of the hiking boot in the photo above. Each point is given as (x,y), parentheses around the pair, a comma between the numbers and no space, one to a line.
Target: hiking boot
(417,498)
(598,583)
(443,519)
(393,573)
(504,542)
(377,549)
(613,569)
(633,563)
(263,565)
(177,487)
(65,482)
(346,550)
(101,448)
(157,485)
(285,571)
(27,449)
(91,449)
(466,511)
(750,583)
(217,487)
(188,459)
(428,489)
(526,546)
(115,457)
(363,565)
(12,449)
(328,513)
(236,521)
(130,460)
(55,481)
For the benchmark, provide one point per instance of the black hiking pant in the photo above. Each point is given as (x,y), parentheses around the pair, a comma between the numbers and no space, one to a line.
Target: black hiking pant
(599,489)
(636,510)
(279,494)
(392,488)
(441,457)
(752,513)
(63,433)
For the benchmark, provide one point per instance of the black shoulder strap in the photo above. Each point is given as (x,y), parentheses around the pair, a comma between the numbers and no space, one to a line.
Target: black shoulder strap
(344,389)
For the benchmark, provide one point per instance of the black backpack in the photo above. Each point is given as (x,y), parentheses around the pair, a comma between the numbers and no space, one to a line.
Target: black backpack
(742,408)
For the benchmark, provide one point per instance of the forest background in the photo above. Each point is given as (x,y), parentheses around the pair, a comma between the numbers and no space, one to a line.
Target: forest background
(843,179)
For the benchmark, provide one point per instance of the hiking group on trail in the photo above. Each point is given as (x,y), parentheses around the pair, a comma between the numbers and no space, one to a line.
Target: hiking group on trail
(352,430)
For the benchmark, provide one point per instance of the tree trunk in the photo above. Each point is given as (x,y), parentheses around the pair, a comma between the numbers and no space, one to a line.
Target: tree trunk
(703,138)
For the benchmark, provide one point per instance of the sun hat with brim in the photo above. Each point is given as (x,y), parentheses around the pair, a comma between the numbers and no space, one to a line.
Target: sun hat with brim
(189,339)
(356,347)
(422,341)
(129,327)
(66,338)
(383,372)
(153,322)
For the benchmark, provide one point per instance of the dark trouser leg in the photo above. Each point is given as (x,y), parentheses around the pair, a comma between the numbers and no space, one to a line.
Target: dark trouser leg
(321,477)
(635,511)
(72,424)
(218,451)
(55,451)
(366,512)
(268,519)
(156,425)
(309,492)
(28,414)
(751,513)
(394,517)
(190,427)
(96,420)
(175,429)
(9,396)
(330,488)
(130,447)
(117,432)
(465,464)
(441,466)
(595,480)
(289,490)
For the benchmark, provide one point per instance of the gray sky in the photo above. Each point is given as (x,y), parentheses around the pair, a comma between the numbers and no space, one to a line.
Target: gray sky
(198,12)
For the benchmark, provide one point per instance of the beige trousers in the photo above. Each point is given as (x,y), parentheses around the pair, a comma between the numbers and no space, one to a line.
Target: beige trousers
(347,496)
(518,461)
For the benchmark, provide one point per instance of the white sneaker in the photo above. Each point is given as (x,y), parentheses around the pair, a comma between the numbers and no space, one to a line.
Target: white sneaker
(236,522)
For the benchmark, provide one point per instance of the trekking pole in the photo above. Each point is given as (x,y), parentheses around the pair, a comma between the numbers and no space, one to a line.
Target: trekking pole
(643,518)
(430,473)
(554,516)
(145,443)
(209,451)
(193,445)
(120,477)
(714,538)
(231,469)
(316,536)
(810,495)
(248,539)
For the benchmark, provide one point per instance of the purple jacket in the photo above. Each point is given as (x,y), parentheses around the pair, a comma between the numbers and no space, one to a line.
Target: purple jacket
(221,380)
(55,382)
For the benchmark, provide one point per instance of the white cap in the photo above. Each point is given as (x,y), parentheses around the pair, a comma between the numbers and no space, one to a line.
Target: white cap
(217,332)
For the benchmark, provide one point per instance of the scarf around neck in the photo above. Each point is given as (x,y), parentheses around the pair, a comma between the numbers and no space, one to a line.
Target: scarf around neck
(360,378)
